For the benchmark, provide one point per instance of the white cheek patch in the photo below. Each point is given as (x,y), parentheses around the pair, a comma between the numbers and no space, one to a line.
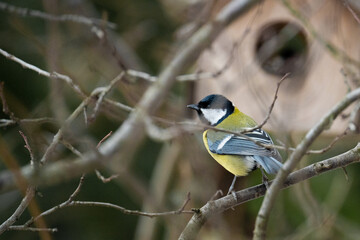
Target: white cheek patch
(213,115)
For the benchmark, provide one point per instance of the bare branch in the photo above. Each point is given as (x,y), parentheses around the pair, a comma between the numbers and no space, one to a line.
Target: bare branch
(105,179)
(71,148)
(26,12)
(10,122)
(71,203)
(327,148)
(30,192)
(98,173)
(189,77)
(32,229)
(127,211)
(58,136)
(271,106)
(102,94)
(44,73)
(53,209)
(104,139)
(27,146)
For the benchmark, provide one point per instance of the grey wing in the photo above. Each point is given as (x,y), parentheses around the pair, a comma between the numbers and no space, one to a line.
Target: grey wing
(269,159)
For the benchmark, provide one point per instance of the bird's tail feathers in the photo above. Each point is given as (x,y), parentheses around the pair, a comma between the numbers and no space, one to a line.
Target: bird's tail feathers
(269,164)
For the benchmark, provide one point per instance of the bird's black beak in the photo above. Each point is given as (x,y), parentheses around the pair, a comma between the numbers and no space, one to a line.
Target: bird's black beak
(193,106)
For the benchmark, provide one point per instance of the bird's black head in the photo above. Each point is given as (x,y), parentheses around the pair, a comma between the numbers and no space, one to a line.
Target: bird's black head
(213,109)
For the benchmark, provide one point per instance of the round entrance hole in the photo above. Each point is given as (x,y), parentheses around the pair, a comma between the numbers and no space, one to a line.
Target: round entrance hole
(281,47)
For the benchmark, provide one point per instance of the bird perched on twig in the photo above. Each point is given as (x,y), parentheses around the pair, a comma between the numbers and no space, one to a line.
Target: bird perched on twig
(238,153)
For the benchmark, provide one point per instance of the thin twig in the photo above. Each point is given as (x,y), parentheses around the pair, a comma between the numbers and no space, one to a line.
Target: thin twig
(271,106)
(27,146)
(26,12)
(71,203)
(188,77)
(105,179)
(77,190)
(104,139)
(10,122)
(71,148)
(98,173)
(127,211)
(30,192)
(31,229)
(44,73)
(64,204)
(102,94)
(327,148)
(58,136)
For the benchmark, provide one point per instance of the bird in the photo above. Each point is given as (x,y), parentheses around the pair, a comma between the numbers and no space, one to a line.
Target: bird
(238,153)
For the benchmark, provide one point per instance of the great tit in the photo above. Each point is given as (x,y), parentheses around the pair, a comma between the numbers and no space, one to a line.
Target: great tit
(237,154)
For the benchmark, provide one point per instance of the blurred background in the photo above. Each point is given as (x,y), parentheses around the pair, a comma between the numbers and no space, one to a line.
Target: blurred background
(316,41)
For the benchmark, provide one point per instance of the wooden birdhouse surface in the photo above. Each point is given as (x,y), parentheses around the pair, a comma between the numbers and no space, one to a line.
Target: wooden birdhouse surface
(272,40)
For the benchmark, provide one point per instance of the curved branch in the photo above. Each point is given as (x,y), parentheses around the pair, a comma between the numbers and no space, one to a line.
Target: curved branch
(224,203)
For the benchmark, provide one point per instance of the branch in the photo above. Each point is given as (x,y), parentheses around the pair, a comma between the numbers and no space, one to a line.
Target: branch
(30,192)
(32,229)
(189,77)
(44,73)
(26,12)
(10,122)
(295,157)
(71,203)
(27,146)
(100,92)
(271,106)
(220,205)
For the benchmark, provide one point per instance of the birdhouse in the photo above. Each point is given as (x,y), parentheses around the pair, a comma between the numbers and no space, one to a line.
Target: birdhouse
(317,42)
